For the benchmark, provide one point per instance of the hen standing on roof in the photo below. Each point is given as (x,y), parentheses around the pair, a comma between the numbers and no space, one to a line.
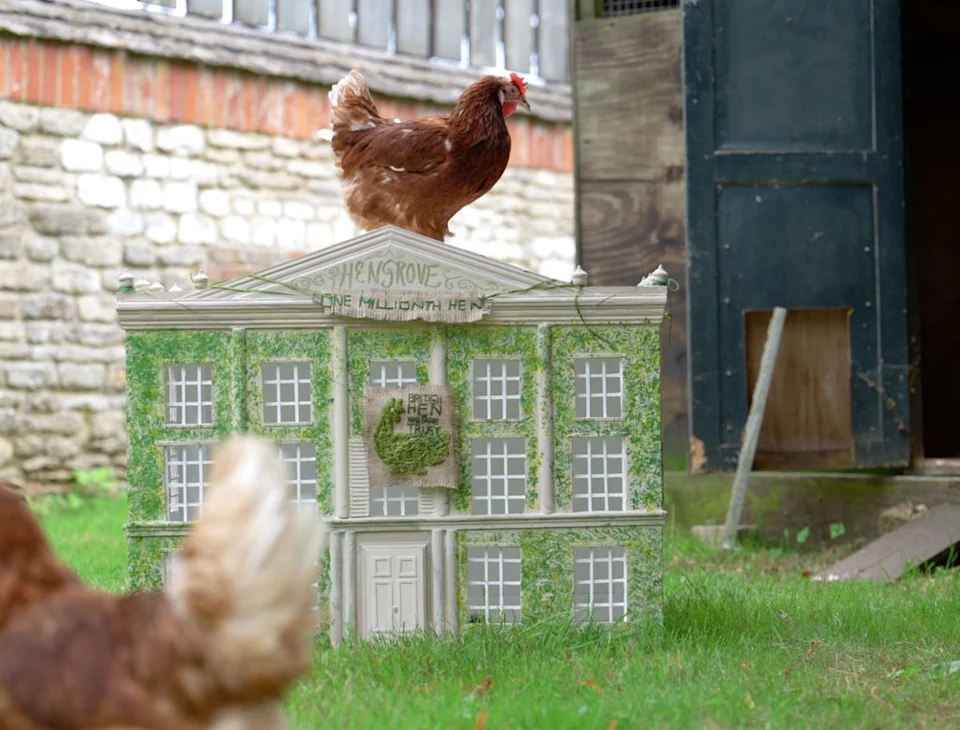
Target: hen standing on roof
(417,175)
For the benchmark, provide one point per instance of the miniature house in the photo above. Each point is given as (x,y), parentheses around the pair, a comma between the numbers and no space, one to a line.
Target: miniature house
(484,442)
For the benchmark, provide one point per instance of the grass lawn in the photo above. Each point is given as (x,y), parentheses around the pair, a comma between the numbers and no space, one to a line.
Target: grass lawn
(747,643)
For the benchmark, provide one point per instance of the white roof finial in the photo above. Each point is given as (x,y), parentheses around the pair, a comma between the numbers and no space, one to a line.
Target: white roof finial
(125,281)
(156,287)
(579,277)
(201,280)
(175,288)
(141,284)
(658,277)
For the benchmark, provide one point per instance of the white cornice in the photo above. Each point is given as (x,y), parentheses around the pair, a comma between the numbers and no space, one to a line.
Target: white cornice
(288,294)
(534,521)
(594,305)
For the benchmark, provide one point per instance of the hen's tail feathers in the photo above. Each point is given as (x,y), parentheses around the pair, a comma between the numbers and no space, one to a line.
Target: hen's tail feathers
(352,108)
(246,572)
(29,570)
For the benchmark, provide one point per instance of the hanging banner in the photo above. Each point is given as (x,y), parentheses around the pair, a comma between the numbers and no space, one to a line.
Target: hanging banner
(410,436)
(400,306)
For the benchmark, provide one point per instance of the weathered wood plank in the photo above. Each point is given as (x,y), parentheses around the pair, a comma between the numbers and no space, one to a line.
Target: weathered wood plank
(251,12)
(199,41)
(518,35)
(293,15)
(807,422)
(205,8)
(623,132)
(626,229)
(554,43)
(483,32)
(413,28)
(449,28)
(373,28)
(589,9)
(914,543)
(334,20)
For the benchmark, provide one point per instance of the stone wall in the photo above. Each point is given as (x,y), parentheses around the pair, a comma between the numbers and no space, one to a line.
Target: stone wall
(87,193)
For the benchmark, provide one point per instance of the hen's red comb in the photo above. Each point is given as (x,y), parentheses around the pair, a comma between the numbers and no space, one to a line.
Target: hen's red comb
(519,82)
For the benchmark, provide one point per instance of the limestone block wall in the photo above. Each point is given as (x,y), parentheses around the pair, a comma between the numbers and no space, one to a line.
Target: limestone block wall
(92,184)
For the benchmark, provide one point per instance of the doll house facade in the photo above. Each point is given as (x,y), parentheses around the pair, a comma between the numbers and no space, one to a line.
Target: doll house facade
(483,442)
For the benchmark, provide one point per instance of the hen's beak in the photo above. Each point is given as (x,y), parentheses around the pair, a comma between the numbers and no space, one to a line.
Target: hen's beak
(525,104)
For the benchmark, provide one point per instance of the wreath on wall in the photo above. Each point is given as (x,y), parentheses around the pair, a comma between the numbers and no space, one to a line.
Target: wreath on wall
(410,436)
(407,453)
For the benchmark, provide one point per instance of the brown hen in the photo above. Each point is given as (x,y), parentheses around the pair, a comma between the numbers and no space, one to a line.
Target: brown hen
(218,648)
(29,571)
(418,174)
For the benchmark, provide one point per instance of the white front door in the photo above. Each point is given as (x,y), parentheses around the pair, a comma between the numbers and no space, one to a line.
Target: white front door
(394,595)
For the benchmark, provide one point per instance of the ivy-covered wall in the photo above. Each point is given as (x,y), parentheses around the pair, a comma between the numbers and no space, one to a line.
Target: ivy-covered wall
(263,346)
(146,548)
(145,553)
(547,570)
(148,354)
(640,426)
(411,342)
(466,344)
(236,359)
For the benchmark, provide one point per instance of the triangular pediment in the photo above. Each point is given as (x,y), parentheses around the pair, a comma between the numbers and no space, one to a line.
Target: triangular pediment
(388,258)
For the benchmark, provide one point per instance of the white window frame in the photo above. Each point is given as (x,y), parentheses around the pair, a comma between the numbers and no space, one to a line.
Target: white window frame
(587,485)
(592,557)
(611,387)
(179,377)
(408,497)
(294,471)
(389,373)
(176,492)
(482,484)
(487,555)
(486,372)
(298,380)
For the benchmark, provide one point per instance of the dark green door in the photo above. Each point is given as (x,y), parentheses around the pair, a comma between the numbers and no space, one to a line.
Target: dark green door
(795,199)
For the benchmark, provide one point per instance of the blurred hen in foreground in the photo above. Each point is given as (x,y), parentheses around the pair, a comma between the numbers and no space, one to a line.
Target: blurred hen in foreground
(417,175)
(218,648)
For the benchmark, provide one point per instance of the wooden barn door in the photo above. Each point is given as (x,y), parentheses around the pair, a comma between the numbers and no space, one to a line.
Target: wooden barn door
(795,195)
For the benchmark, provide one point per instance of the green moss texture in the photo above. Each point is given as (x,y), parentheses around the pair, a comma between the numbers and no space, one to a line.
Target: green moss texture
(466,344)
(547,568)
(640,425)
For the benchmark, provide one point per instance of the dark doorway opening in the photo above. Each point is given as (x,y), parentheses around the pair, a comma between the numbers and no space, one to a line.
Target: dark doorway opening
(931,103)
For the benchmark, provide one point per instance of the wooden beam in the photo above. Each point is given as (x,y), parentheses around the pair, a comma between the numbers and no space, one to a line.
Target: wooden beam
(293,15)
(251,12)
(205,8)
(554,39)
(629,96)
(518,35)
(483,32)
(754,421)
(413,30)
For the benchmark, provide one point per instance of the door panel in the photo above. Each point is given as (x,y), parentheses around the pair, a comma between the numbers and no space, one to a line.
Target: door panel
(395,590)
(764,46)
(795,199)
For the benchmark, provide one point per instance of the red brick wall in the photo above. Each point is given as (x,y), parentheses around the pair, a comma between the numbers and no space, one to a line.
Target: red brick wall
(88,79)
